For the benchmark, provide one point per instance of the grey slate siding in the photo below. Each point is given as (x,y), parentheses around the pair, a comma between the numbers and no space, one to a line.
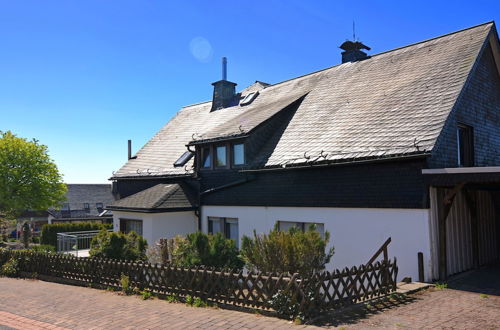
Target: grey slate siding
(378,185)
(478,107)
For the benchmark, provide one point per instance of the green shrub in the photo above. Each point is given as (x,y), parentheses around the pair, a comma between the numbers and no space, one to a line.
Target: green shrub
(125,283)
(198,249)
(198,302)
(283,305)
(189,300)
(10,268)
(118,246)
(145,295)
(43,248)
(49,232)
(292,251)
(173,298)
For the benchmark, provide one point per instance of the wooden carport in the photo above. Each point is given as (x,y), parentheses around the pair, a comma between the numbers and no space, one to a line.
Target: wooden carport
(465,218)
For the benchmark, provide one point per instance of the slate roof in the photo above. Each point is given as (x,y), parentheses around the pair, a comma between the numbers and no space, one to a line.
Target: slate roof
(161,197)
(392,104)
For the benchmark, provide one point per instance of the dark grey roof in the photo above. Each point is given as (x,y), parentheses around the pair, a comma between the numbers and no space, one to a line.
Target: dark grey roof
(392,104)
(162,197)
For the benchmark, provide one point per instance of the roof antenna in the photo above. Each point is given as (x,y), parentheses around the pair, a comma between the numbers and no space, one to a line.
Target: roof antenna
(353,31)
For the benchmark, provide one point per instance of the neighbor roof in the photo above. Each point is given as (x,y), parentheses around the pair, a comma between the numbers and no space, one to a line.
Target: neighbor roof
(159,198)
(392,104)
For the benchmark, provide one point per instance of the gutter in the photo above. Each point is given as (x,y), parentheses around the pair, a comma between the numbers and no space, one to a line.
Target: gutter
(340,163)
(150,177)
(232,184)
(139,210)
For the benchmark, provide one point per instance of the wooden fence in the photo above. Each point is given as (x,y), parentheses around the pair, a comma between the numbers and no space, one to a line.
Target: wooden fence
(322,291)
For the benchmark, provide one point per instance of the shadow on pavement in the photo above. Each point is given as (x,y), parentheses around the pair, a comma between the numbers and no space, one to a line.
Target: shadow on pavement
(352,315)
(484,280)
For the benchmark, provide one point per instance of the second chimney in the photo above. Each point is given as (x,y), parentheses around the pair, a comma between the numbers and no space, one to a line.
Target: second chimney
(224,90)
(352,51)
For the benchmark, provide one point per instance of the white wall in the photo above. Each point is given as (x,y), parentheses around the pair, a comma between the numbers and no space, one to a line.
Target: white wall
(355,233)
(160,225)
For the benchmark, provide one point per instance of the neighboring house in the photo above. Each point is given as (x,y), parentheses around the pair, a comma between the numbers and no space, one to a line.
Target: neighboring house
(402,144)
(84,202)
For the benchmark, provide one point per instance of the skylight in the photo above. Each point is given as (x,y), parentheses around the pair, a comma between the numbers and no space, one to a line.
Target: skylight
(183,159)
(249,98)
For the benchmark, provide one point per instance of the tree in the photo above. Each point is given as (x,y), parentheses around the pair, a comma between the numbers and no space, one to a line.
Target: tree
(29,179)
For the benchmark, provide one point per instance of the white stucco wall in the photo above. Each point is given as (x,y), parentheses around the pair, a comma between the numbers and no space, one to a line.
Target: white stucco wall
(355,233)
(160,225)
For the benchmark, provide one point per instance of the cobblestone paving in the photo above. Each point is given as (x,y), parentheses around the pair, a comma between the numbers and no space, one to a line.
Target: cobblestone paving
(40,305)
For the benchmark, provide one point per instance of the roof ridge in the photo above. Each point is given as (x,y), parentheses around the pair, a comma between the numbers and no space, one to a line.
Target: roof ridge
(384,52)
(434,38)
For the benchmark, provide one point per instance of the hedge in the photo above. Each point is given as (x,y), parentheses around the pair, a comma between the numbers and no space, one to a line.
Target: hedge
(49,232)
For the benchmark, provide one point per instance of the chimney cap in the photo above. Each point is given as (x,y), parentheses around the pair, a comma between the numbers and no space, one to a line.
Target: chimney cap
(353,45)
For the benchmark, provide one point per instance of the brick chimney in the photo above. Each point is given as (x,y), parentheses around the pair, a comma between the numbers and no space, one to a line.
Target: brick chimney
(224,91)
(352,51)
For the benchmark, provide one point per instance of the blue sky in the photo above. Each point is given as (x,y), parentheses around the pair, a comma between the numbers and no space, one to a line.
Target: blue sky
(84,76)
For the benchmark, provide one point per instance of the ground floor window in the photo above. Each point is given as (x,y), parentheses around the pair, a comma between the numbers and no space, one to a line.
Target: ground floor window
(286,225)
(227,226)
(129,225)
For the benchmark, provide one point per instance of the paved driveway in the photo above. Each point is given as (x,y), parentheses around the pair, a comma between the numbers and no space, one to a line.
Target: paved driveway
(31,304)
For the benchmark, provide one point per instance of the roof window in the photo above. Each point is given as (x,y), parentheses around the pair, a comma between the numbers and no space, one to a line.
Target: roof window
(183,159)
(249,98)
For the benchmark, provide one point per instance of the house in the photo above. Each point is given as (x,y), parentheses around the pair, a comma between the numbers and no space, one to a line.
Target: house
(402,144)
(84,203)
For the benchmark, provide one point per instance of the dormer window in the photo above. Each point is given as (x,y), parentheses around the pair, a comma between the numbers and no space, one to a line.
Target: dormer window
(206,159)
(220,156)
(238,154)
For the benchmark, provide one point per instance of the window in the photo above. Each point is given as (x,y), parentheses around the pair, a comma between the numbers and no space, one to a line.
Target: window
(183,159)
(227,226)
(238,154)
(99,206)
(220,156)
(286,225)
(465,145)
(128,225)
(86,207)
(206,159)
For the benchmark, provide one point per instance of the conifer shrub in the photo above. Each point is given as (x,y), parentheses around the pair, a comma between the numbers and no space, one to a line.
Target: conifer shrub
(292,251)
(120,246)
(200,249)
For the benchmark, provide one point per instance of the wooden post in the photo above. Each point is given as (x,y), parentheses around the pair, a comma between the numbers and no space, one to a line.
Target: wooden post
(444,206)
(420,257)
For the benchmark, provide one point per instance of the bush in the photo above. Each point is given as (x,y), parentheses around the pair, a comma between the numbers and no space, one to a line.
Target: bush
(290,251)
(118,246)
(49,232)
(10,268)
(199,249)
(43,248)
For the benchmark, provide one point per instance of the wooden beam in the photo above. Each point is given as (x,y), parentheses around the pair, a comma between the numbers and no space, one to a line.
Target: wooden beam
(471,203)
